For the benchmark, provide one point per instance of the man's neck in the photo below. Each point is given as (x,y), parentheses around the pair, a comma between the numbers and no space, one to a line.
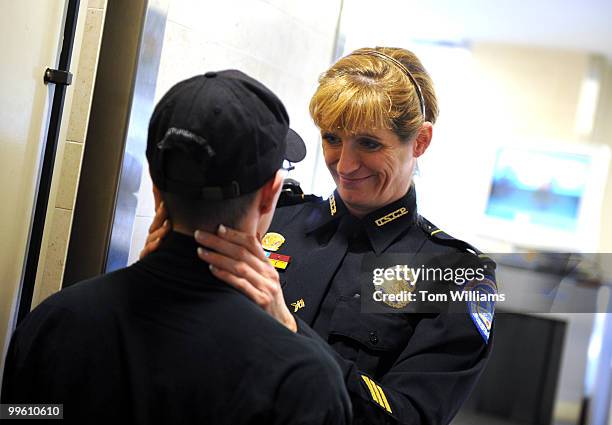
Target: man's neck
(188,230)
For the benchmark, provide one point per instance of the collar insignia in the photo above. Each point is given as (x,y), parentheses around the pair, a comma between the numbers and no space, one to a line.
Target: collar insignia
(391,216)
(332,205)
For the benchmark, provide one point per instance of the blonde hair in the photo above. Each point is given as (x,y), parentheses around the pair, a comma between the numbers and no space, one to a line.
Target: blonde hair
(368,91)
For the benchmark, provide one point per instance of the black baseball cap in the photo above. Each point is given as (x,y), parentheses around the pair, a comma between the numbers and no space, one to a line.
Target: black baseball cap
(219,135)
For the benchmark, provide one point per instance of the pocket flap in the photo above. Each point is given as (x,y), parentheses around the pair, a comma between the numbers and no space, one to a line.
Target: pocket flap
(375,331)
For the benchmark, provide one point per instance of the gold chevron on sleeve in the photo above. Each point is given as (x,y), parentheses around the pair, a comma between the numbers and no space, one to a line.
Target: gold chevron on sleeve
(377,393)
(371,387)
(384,399)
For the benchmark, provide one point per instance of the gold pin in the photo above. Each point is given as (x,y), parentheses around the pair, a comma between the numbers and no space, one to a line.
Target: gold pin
(391,216)
(332,204)
(272,241)
(298,304)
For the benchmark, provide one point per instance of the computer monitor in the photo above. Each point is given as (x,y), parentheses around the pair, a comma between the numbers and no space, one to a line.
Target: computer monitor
(547,197)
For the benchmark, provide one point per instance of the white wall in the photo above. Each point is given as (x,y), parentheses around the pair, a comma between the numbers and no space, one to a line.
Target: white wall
(284,44)
(602,133)
(494,95)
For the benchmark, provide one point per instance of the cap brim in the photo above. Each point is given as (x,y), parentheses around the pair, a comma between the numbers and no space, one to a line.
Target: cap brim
(296,148)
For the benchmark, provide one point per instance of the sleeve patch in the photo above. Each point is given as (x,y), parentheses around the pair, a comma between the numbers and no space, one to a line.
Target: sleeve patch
(482,311)
(377,393)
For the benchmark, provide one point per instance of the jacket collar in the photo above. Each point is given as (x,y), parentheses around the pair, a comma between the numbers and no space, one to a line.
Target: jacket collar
(382,226)
(177,259)
(325,213)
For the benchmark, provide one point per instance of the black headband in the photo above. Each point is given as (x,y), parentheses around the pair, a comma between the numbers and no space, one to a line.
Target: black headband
(402,67)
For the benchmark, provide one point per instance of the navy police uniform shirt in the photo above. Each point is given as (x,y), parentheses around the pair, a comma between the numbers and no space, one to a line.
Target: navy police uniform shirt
(398,368)
(163,341)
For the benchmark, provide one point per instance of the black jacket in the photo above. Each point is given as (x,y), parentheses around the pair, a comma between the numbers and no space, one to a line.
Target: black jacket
(163,341)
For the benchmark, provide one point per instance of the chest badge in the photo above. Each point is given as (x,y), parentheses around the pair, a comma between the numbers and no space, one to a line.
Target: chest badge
(399,292)
(272,241)
(298,304)
(279,261)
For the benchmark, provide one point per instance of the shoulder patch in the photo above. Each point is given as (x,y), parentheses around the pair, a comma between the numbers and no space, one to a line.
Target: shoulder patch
(481,306)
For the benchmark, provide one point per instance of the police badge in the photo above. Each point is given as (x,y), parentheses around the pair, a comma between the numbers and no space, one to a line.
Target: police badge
(272,241)
(396,291)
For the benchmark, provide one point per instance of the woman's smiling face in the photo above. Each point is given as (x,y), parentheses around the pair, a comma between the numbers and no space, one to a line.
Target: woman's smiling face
(371,168)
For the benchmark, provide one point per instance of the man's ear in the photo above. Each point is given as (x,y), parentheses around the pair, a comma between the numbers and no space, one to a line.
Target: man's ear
(157,196)
(269,193)
(423,139)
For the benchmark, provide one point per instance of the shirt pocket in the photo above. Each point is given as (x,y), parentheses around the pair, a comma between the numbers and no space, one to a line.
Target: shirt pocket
(372,340)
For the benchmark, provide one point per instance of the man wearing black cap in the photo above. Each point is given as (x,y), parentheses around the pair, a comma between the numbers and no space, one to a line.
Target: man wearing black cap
(163,341)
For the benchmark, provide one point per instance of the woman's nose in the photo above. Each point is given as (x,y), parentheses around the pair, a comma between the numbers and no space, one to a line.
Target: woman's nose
(348,161)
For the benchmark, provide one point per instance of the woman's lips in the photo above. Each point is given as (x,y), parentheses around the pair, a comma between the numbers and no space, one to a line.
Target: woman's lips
(352,181)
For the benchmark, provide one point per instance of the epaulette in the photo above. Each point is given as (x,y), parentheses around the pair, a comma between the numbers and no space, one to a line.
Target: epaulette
(438,235)
(292,194)
(287,198)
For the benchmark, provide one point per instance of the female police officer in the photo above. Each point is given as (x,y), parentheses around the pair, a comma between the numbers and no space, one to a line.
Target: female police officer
(375,109)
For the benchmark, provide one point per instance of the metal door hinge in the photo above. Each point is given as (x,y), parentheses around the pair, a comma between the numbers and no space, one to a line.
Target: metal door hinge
(57,76)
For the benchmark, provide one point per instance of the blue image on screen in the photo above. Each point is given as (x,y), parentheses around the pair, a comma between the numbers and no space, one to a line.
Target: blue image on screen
(543,188)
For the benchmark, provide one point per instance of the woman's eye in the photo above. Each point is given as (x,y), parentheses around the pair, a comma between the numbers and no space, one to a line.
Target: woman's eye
(370,144)
(331,139)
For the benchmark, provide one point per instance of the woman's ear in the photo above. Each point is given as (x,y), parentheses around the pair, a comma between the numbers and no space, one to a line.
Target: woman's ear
(423,139)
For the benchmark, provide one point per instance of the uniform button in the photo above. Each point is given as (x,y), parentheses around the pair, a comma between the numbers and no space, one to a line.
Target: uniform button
(373,337)
(357,295)
(210,74)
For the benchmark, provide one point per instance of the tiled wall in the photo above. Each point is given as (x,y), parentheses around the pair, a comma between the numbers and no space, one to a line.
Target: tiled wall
(286,44)
(70,155)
